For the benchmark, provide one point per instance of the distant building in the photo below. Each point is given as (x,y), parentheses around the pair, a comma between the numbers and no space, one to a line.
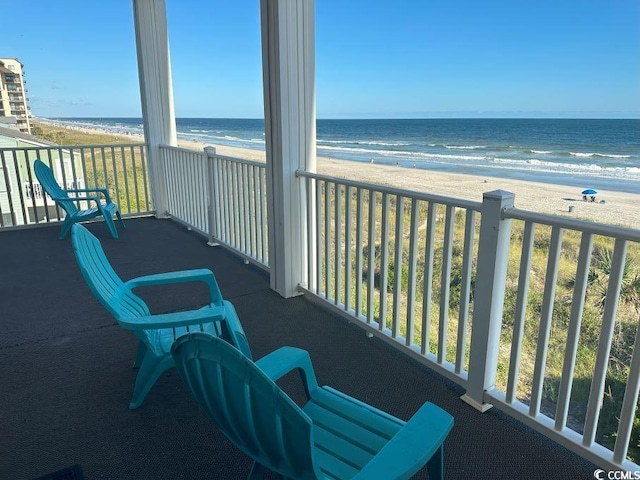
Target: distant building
(22,200)
(13,94)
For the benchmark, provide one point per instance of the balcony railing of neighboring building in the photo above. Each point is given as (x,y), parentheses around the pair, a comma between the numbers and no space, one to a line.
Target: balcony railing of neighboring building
(121,168)
(34,189)
(453,284)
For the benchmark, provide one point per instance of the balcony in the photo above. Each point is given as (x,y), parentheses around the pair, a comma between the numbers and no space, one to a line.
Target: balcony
(351,230)
(67,376)
(422,281)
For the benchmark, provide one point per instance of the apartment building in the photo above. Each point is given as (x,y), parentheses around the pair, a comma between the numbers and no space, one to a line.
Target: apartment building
(13,94)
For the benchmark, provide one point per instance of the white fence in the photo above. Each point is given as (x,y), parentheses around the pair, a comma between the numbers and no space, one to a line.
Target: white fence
(371,254)
(601,427)
(122,169)
(451,283)
(221,197)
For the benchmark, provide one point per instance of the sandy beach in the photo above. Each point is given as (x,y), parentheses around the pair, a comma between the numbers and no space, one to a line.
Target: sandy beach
(619,208)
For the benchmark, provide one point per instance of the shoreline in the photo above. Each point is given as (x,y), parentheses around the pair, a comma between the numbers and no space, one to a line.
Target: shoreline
(619,208)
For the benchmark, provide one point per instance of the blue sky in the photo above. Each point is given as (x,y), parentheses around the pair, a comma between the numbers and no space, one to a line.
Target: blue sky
(374,59)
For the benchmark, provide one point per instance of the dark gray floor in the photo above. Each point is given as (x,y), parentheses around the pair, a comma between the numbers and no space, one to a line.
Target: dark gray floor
(66,376)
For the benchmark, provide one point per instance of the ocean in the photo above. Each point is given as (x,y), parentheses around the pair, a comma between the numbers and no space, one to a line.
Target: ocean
(583,153)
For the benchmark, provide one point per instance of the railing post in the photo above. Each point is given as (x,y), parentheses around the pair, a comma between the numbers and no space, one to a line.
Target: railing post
(212,185)
(488,298)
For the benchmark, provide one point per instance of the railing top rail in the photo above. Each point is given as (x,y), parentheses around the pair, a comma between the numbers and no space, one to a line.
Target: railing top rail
(73,147)
(181,149)
(454,202)
(215,155)
(623,233)
(239,160)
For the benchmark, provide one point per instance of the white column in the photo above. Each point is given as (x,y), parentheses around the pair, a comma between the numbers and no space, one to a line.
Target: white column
(488,297)
(288,59)
(156,91)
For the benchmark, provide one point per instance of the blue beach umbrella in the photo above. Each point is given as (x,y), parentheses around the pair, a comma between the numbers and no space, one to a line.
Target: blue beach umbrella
(589,191)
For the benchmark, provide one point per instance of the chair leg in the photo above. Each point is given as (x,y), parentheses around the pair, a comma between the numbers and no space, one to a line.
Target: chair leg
(120,219)
(142,350)
(435,465)
(150,369)
(66,226)
(257,472)
(112,226)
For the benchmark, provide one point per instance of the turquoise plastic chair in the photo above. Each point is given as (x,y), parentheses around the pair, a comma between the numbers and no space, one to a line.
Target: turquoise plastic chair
(73,215)
(156,332)
(333,436)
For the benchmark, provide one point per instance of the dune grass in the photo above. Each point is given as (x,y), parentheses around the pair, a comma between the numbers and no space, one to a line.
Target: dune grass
(121,169)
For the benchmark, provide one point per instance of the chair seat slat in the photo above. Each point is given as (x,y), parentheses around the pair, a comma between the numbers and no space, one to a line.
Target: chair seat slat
(343,449)
(333,467)
(351,432)
(368,418)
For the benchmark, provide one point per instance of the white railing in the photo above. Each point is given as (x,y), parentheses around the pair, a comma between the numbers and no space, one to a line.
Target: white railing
(592,412)
(406,266)
(385,257)
(187,187)
(221,197)
(534,314)
(240,194)
(122,169)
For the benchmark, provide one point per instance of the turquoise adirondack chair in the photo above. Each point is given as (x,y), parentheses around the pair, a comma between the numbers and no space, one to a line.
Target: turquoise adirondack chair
(155,332)
(333,436)
(73,215)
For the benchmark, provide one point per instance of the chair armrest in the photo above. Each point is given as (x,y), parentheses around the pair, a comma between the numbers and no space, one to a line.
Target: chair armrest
(175,319)
(103,191)
(411,447)
(86,190)
(282,361)
(74,199)
(184,276)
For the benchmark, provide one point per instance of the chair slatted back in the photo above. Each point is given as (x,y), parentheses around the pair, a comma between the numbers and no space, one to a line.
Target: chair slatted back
(250,409)
(102,279)
(50,185)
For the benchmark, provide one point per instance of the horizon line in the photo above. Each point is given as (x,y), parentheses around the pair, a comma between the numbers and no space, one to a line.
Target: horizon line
(359,118)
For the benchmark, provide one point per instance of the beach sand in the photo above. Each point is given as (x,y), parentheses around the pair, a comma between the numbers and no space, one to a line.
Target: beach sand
(619,208)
